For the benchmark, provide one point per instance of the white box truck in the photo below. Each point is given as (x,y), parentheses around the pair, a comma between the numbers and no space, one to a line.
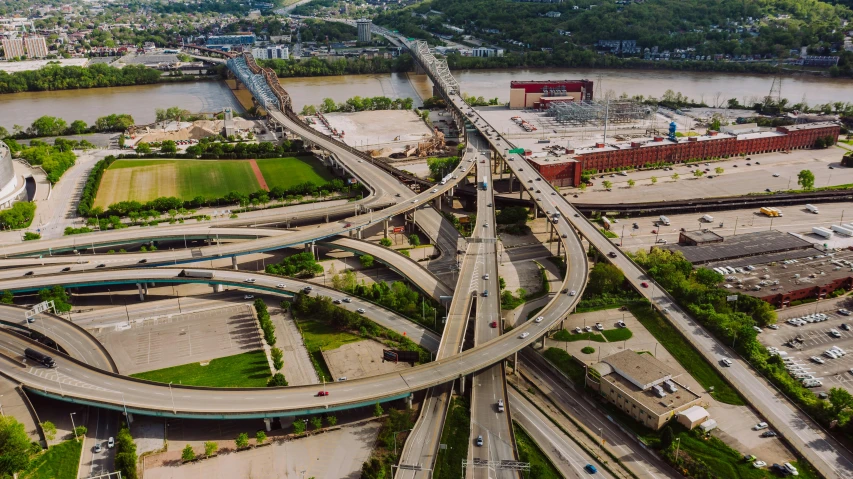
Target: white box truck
(708,218)
(812,208)
(822,232)
(663,220)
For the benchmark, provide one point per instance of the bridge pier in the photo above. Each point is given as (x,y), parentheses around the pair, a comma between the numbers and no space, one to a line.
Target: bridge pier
(267,424)
(462,385)
(218,288)
(559,245)
(359,237)
(409,402)
(385,228)
(141,293)
(438,202)
(234,262)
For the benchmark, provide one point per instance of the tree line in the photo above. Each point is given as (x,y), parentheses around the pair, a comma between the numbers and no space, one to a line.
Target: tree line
(358,103)
(314,67)
(53,126)
(56,77)
(54,159)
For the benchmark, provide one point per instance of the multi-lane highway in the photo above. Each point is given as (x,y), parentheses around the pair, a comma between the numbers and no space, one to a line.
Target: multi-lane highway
(489,403)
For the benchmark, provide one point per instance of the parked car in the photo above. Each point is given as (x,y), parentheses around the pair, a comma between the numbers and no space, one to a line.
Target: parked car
(249,296)
(760,426)
(768,434)
(111,442)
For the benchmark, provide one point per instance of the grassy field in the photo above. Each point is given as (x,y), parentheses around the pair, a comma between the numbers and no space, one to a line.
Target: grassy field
(242,370)
(145,180)
(321,336)
(287,172)
(528,451)
(695,364)
(58,462)
(457,428)
(608,335)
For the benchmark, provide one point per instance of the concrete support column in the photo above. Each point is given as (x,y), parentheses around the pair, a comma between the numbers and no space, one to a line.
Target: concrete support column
(510,181)
(535,208)
(145,287)
(218,288)
(551,239)
(438,202)
(267,422)
(521,193)
(141,292)
(359,237)
(409,401)
(462,385)
(515,364)
(385,225)
(234,262)
(559,245)
(314,247)
(129,418)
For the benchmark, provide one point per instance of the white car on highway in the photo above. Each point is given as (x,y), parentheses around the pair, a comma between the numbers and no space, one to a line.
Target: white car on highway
(539,319)
(360,310)
(524,335)
(249,280)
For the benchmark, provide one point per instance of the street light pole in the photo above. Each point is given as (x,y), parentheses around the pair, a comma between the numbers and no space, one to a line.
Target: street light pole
(677,448)
(174,410)
(73,426)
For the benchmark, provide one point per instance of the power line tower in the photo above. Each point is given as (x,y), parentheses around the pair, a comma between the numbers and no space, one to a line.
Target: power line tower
(652,129)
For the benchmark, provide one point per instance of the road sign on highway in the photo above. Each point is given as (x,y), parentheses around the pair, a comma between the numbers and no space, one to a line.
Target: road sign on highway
(40,308)
(732,297)
(519,151)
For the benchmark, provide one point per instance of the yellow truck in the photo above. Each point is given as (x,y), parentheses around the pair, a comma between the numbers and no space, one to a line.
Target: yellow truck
(774,212)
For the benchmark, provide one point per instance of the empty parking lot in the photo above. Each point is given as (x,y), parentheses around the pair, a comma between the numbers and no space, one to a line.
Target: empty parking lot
(181,339)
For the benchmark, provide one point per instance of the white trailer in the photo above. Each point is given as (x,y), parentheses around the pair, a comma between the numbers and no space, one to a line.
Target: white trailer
(822,232)
(812,208)
(663,220)
(841,230)
(708,218)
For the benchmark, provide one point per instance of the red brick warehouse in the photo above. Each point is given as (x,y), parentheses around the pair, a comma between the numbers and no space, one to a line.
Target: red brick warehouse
(566,170)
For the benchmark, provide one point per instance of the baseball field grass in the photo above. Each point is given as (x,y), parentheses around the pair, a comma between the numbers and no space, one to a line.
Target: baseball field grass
(145,180)
(287,172)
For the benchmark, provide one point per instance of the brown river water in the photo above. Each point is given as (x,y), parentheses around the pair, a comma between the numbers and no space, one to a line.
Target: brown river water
(141,101)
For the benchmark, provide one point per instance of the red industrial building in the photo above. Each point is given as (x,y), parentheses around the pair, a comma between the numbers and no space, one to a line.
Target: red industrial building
(566,169)
(537,94)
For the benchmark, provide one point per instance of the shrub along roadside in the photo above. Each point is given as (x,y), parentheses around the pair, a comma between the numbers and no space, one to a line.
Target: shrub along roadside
(265,321)
(93,182)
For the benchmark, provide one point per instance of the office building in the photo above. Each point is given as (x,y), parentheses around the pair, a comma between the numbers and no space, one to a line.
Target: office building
(364,35)
(280,52)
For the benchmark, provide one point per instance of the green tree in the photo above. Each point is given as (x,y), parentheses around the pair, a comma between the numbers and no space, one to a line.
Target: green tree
(606,184)
(840,399)
(277,380)
(631,183)
(366,261)
(126,459)
(414,240)
(48,126)
(377,410)
(49,430)
(605,279)
(260,437)
(187,454)
(719,170)
(317,422)
(582,187)
(77,127)
(3,133)
(81,430)
(30,236)
(298,426)
(805,178)
(7,297)
(210,448)
(331,420)
(277,358)
(242,440)
(169,147)
(675,176)
(654,179)
(501,282)
(698,173)
(59,296)
(143,148)
(14,446)
(385,242)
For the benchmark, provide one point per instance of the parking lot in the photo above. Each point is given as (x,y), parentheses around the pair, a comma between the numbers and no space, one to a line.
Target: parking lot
(800,343)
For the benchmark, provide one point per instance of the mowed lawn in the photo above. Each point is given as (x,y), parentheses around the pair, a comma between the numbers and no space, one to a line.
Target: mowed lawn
(288,172)
(58,462)
(242,370)
(145,180)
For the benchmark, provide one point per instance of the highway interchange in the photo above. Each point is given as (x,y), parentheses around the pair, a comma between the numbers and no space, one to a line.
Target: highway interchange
(76,379)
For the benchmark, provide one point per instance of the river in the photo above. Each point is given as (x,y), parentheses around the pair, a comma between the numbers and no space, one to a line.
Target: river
(140,101)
